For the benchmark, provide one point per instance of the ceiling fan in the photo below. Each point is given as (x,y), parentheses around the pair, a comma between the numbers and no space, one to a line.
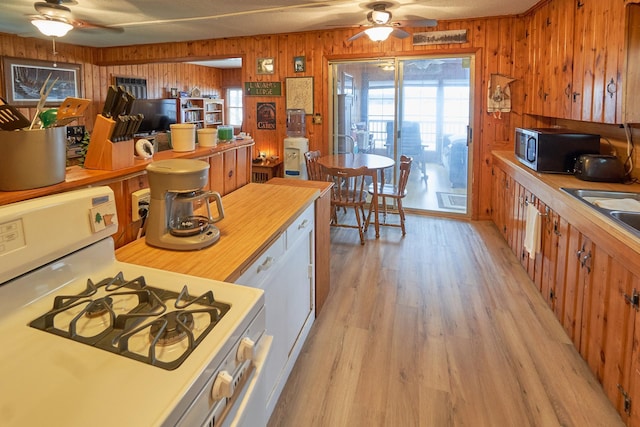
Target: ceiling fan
(380,25)
(55,19)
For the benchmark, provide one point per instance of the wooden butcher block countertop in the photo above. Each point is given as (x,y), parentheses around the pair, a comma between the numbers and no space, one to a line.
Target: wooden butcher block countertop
(255,216)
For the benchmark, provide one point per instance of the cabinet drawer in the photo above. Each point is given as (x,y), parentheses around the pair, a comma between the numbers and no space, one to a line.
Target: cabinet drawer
(261,268)
(300,227)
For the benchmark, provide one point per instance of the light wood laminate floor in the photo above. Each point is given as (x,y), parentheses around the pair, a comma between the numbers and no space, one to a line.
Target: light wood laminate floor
(440,328)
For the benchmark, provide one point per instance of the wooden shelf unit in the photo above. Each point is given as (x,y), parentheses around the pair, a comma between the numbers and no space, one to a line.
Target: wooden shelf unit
(191,110)
(213,112)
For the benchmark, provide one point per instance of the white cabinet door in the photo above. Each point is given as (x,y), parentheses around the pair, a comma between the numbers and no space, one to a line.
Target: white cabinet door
(299,287)
(285,271)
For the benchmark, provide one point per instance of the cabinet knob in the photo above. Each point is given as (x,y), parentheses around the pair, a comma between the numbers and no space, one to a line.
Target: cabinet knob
(612,88)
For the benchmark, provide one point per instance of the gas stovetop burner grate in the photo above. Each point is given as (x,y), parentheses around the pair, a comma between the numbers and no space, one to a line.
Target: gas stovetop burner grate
(152,325)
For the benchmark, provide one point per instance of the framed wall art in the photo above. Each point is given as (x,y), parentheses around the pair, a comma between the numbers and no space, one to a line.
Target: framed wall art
(136,86)
(265,66)
(299,64)
(23,79)
(266,115)
(299,93)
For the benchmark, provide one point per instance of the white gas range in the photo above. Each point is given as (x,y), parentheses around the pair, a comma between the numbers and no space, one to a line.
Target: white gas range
(93,341)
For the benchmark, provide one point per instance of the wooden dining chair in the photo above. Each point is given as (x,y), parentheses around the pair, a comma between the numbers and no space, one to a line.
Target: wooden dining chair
(395,192)
(349,191)
(314,170)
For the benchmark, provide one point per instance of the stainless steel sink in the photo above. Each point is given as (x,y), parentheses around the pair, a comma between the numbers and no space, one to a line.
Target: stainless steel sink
(588,196)
(631,219)
(627,219)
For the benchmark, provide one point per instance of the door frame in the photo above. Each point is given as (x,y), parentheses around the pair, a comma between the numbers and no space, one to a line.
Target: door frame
(474,133)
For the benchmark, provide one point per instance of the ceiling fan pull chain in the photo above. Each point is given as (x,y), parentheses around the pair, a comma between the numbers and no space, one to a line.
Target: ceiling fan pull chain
(55,53)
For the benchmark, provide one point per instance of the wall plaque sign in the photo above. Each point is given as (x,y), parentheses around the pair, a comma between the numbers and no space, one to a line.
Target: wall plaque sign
(266,114)
(263,88)
(440,37)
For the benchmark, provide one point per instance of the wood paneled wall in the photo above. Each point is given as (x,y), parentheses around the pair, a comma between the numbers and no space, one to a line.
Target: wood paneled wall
(499,44)
(494,41)
(161,76)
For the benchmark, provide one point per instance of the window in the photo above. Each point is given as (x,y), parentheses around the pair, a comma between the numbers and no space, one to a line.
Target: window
(234,106)
(380,108)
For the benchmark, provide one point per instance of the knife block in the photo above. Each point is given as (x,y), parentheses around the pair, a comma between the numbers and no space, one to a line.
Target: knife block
(104,154)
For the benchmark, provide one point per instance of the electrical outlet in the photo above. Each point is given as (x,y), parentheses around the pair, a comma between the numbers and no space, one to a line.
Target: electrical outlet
(139,202)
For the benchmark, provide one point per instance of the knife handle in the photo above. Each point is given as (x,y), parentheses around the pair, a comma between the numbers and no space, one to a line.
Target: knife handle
(109,102)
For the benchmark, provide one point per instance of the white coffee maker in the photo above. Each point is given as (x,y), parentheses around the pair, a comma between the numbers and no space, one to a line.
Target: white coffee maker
(179,212)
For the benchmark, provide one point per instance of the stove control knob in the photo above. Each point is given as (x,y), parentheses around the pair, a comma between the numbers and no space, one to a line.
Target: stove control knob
(223,386)
(245,349)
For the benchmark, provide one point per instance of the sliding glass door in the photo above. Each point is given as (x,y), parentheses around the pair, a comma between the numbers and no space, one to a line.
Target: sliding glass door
(418,107)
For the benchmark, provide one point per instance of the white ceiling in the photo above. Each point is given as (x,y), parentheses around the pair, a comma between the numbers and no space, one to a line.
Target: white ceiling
(157,21)
(154,21)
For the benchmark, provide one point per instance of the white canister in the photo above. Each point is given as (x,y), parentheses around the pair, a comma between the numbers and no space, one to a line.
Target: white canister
(183,137)
(207,137)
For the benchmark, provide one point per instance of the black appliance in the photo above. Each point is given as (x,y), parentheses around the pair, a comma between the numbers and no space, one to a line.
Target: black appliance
(599,168)
(159,114)
(552,149)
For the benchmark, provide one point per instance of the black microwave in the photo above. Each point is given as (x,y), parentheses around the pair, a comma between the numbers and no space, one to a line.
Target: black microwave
(552,149)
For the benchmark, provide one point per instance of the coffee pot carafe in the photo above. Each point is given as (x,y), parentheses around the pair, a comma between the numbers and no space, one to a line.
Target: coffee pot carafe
(179,211)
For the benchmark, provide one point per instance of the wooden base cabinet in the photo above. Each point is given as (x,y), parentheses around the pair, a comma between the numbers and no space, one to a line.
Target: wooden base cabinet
(593,295)
(230,170)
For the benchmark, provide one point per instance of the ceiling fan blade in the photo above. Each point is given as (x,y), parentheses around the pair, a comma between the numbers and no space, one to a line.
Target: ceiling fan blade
(51,10)
(399,34)
(85,25)
(266,9)
(416,23)
(356,36)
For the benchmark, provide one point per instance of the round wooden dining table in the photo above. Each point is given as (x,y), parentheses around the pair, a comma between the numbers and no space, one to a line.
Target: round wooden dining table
(373,162)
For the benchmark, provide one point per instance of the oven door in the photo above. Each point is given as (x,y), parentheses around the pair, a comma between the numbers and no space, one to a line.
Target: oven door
(249,408)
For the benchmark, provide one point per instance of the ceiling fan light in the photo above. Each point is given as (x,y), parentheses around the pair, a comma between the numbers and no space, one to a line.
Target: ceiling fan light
(378,34)
(52,28)
(380,16)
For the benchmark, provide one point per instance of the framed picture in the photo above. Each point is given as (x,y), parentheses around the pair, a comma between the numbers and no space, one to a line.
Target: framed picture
(136,86)
(299,64)
(23,79)
(265,66)
(299,93)
(266,115)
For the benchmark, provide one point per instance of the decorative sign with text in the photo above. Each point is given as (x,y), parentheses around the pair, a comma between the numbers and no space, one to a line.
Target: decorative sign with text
(440,37)
(266,116)
(263,88)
